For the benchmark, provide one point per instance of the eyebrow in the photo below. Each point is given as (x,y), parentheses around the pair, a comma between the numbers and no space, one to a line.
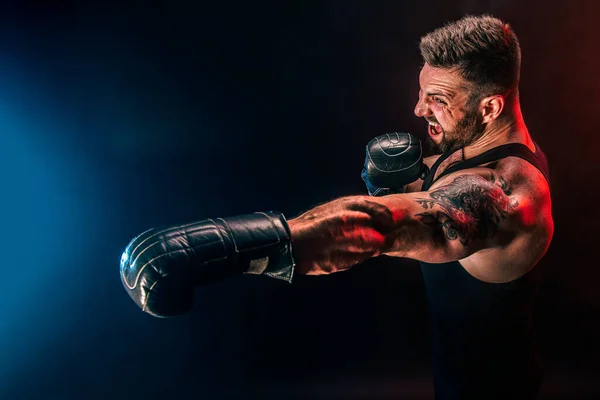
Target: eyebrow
(447,95)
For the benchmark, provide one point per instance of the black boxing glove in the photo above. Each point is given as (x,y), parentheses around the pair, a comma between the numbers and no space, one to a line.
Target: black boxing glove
(161,267)
(393,160)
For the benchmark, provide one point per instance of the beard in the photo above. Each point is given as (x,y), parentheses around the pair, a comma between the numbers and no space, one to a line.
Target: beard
(467,130)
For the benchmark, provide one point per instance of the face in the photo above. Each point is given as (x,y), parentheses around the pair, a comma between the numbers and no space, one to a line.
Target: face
(444,102)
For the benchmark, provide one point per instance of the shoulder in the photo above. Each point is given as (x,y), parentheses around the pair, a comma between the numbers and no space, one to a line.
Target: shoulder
(519,177)
(522,174)
(512,180)
(531,190)
(512,197)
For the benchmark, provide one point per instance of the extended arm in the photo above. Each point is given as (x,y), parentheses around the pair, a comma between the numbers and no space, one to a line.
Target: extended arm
(464,215)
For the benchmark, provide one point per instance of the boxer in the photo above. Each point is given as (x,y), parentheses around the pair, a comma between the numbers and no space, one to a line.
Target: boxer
(477,217)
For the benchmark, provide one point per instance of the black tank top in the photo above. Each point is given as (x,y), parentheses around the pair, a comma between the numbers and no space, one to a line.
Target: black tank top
(483,342)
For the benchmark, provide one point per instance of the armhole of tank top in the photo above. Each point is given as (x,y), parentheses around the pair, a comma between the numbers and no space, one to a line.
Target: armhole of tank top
(509,150)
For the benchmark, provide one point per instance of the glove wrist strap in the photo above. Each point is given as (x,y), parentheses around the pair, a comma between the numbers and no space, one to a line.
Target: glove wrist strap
(262,244)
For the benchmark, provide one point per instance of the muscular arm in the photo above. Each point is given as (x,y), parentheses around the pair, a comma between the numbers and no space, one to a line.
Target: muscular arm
(464,215)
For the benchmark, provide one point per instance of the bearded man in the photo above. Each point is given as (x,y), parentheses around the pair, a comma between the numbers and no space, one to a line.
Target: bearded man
(478,221)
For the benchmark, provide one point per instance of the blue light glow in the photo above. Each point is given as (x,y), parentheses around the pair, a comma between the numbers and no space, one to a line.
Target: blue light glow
(46,220)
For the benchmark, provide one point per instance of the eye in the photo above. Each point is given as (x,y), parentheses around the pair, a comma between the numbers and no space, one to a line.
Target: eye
(439,101)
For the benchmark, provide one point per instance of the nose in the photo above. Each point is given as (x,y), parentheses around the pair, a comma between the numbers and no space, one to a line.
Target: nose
(421,108)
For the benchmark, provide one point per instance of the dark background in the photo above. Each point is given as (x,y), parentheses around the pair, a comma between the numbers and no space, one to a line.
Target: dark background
(115,118)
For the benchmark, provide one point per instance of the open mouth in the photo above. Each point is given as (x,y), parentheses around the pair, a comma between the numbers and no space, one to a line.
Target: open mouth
(435,129)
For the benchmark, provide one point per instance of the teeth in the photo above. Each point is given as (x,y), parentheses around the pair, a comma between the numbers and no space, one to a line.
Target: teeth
(433,124)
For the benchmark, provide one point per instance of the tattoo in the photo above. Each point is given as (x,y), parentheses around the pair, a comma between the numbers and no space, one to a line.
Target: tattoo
(427,204)
(470,207)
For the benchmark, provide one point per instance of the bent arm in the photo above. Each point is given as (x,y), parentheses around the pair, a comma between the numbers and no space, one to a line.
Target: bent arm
(449,223)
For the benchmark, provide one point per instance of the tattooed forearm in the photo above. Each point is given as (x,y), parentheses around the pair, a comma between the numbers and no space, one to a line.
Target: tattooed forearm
(469,207)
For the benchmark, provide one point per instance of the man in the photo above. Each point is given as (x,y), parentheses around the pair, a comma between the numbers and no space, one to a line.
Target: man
(478,223)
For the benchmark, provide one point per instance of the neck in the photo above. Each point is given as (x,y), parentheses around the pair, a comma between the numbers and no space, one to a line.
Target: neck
(510,129)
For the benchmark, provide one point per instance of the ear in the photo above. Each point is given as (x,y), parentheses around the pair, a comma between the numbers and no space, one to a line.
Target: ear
(492,108)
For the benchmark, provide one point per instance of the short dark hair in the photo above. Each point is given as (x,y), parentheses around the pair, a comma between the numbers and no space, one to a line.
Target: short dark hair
(483,49)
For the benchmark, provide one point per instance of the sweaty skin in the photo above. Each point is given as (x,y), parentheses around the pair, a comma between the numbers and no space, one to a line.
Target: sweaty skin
(495,219)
